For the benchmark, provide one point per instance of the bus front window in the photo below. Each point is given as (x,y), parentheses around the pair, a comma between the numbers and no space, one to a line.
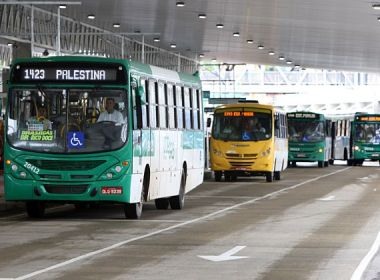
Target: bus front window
(367,133)
(67,120)
(306,131)
(242,128)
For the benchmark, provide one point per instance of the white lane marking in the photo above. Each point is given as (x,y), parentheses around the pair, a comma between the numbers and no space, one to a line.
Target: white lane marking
(327,198)
(226,256)
(122,243)
(366,260)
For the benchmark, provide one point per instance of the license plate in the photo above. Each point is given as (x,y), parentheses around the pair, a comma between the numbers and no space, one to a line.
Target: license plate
(375,155)
(112,190)
(301,155)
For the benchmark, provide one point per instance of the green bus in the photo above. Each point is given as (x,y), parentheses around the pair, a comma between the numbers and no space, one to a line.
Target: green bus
(365,138)
(309,138)
(154,151)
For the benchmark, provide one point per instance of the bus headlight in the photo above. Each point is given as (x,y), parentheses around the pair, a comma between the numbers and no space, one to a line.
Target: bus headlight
(115,171)
(356,148)
(320,150)
(266,152)
(217,152)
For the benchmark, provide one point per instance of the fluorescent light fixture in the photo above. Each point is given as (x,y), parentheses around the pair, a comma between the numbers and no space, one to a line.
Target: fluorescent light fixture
(62,6)
(180,4)
(202,16)
(116,25)
(378,19)
(236,34)
(297,66)
(376,6)
(260,47)
(219,25)
(289,62)
(9,44)
(281,57)
(156,39)
(213,60)
(249,41)
(91,16)
(271,52)
(173,46)
(201,55)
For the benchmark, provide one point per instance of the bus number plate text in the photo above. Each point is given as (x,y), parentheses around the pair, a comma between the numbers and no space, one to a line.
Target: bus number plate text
(112,190)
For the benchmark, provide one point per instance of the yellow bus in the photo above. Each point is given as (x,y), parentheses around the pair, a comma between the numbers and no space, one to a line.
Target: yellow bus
(248,139)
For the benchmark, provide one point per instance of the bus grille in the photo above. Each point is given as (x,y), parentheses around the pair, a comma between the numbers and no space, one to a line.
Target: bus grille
(65,164)
(232,155)
(241,163)
(59,189)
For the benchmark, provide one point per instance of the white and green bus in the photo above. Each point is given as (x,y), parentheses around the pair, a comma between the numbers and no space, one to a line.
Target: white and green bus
(155,152)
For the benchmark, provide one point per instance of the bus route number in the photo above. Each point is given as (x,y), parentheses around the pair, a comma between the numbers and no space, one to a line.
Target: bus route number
(34,74)
(31,167)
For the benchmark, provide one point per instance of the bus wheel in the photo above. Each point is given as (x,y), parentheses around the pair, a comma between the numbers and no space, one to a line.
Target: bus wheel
(349,162)
(227,176)
(162,203)
(134,210)
(320,164)
(277,175)
(218,176)
(269,176)
(294,163)
(326,163)
(178,201)
(35,209)
(331,161)
(234,177)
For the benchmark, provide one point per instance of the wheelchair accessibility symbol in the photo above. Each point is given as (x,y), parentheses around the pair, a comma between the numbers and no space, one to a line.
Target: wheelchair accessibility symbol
(75,139)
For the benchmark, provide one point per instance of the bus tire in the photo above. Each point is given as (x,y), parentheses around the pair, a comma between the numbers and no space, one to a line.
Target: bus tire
(326,164)
(269,177)
(35,209)
(294,163)
(349,162)
(178,201)
(134,210)
(218,176)
(162,203)
(320,164)
(331,161)
(277,175)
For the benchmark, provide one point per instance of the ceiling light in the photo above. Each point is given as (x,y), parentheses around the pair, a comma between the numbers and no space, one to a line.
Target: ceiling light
(9,44)
(297,66)
(201,55)
(236,34)
(202,16)
(91,16)
(180,4)
(62,6)
(260,47)
(376,6)
(249,41)
(289,62)
(271,52)
(219,25)
(281,57)
(378,19)
(173,46)
(156,39)
(116,25)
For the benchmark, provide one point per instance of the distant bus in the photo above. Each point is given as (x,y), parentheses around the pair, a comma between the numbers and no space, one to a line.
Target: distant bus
(365,138)
(155,152)
(309,138)
(248,139)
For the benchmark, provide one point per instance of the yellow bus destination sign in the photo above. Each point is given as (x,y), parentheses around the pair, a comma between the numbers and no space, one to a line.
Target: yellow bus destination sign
(369,118)
(239,114)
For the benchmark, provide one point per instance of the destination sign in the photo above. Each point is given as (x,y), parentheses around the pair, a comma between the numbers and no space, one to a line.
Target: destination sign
(68,72)
(238,114)
(369,118)
(303,115)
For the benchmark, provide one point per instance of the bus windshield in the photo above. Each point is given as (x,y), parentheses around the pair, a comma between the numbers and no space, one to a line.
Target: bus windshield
(306,131)
(367,132)
(242,126)
(67,120)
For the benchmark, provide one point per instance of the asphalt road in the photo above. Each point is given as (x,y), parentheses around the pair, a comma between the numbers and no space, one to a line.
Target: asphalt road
(315,223)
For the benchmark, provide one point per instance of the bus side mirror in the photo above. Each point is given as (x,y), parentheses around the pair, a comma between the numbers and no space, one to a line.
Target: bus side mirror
(276,124)
(208,122)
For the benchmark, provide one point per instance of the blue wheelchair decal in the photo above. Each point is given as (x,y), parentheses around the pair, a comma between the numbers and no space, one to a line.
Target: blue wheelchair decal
(75,139)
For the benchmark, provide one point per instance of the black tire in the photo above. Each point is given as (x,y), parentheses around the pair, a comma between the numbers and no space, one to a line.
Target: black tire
(320,164)
(218,176)
(294,164)
(331,161)
(35,209)
(349,162)
(178,201)
(277,175)
(326,164)
(134,210)
(269,177)
(162,203)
